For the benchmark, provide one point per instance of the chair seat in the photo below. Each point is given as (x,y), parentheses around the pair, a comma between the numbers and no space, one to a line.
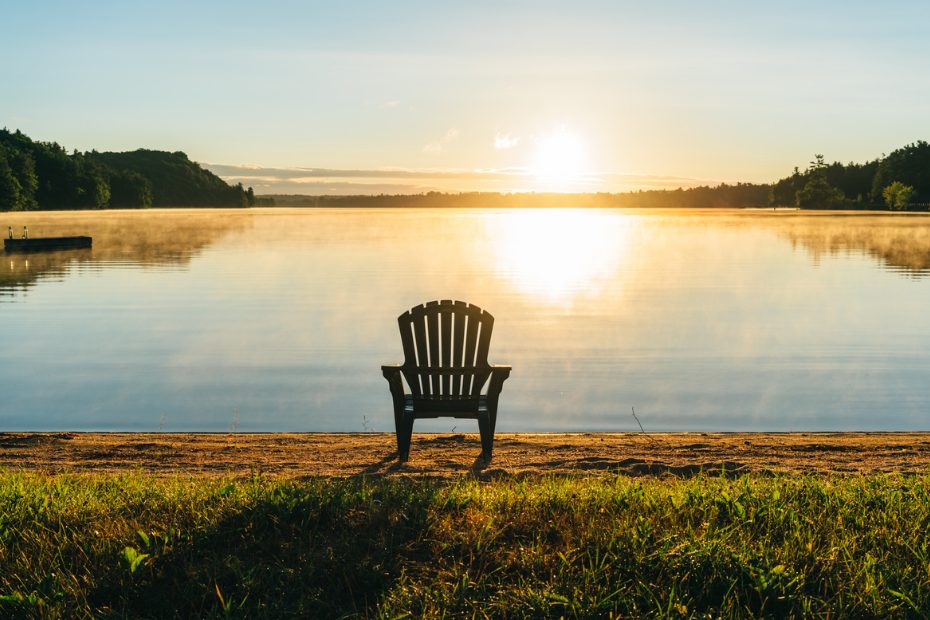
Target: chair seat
(446,407)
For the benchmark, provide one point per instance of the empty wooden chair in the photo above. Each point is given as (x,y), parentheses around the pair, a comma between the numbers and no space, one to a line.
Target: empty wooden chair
(446,368)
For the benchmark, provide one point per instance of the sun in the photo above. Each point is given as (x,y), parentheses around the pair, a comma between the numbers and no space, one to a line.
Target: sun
(560,158)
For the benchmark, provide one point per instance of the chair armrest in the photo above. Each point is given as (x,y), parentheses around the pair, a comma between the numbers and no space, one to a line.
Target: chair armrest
(499,374)
(391,371)
(394,373)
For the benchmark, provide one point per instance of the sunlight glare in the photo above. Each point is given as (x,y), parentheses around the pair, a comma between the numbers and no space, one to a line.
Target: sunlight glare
(558,254)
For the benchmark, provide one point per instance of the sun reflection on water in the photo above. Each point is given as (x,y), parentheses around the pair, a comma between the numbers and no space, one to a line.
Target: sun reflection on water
(557,255)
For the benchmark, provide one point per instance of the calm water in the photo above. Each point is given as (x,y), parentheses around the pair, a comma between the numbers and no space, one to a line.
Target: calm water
(274,320)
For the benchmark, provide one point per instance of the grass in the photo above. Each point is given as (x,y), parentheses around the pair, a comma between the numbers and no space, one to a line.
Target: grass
(138,546)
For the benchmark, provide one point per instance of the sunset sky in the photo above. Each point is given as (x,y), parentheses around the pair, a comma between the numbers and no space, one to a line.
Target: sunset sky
(359,97)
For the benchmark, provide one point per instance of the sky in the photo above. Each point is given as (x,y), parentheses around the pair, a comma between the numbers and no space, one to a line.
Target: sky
(397,97)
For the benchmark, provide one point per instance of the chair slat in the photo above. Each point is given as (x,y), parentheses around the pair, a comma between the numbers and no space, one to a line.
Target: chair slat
(446,319)
(471,336)
(432,336)
(444,336)
(484,339)
(458,342)
(405,322)
(418,321)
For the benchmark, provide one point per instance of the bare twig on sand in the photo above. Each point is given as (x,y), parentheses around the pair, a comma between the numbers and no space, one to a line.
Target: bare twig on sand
(635,417)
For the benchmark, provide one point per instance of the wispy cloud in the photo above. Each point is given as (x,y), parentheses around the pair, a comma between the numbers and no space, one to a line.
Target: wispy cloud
(224,170)
(393,103)
(505,141)
(436,146)
(326,181)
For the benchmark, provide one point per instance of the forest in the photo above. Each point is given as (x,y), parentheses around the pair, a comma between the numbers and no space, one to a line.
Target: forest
(43,175)
(899,181)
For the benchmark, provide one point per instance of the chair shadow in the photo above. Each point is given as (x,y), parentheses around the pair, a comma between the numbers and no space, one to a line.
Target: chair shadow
(390,463)
(480,464)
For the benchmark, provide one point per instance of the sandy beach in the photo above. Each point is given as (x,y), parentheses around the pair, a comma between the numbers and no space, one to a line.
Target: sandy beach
(449,456)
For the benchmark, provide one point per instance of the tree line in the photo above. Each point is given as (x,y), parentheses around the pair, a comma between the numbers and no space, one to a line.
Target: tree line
(732,196)
(43,175)
(898,181)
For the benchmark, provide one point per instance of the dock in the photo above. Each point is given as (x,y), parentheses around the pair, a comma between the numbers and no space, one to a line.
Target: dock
(46,244)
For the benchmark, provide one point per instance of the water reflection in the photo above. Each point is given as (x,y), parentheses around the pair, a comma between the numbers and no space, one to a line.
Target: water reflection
(555,255)
(156,238)
(278,319)
(897,242)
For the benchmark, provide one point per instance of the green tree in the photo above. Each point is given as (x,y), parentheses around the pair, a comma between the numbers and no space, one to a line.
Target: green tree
(785,191)
(130,190)
(9,185)
(45,175)
(58,177)
(24,169)
(909,165)
(175,180)
(817,192)
(98,192)
(898,196)
(854,180)
(92,186)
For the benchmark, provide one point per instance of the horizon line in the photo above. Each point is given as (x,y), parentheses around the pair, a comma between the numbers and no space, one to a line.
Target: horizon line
(321,181)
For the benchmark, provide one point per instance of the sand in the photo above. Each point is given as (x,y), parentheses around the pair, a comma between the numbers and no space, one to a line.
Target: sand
(449,456)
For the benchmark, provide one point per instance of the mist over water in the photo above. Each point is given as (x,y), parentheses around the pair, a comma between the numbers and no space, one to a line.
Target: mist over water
(278,320)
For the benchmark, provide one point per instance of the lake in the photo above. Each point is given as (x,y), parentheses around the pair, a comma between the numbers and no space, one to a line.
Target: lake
(279,319)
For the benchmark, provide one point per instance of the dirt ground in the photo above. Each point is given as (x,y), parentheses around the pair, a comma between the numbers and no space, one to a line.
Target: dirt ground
(447,456)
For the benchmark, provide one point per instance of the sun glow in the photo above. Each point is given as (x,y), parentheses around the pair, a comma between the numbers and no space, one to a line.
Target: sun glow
(560,159)
(558,254)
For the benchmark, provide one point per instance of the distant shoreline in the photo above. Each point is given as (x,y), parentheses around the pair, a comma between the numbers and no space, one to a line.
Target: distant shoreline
(15,216)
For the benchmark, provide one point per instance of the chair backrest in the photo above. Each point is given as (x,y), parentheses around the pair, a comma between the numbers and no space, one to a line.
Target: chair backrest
(446,349)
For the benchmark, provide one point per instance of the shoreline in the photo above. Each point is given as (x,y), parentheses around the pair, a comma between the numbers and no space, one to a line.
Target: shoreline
(443,455)
(754,210)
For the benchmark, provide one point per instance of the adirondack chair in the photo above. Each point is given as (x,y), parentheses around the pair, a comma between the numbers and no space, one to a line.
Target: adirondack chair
(446,368)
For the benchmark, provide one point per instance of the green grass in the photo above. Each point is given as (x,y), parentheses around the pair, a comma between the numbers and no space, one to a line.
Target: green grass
(139,546)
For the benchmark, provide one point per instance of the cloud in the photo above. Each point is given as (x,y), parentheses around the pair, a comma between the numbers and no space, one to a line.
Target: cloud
(335,181)
(227,171)
(505,141)
(393,103)
(435,146)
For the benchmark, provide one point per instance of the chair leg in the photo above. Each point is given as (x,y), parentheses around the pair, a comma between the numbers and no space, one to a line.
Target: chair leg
(487,437)
(404,429)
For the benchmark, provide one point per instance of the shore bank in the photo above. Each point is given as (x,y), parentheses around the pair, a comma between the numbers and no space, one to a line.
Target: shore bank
(452,455)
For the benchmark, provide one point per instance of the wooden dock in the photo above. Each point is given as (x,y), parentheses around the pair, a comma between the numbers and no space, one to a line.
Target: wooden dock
(46,244)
